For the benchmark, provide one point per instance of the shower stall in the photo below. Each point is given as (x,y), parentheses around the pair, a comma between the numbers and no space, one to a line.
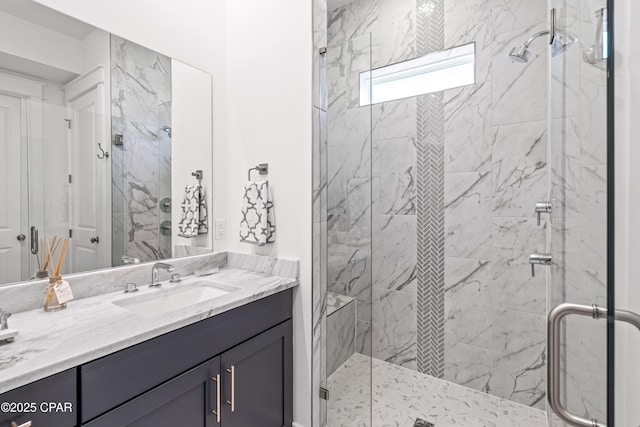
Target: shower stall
(460,194)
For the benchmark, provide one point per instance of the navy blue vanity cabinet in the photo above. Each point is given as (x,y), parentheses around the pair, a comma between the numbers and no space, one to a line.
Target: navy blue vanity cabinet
(257,380)
(48,402)
(189,400)
(172,375)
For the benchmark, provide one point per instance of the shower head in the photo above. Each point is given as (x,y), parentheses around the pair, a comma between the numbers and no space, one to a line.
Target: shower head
(560,44)
(520,54)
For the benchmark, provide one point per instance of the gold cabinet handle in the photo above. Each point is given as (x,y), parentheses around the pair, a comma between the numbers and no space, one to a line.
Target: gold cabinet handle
(216,412)
(232,403)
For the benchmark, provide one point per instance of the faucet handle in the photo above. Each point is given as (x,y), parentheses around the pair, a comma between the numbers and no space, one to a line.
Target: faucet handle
(4,315)
(128,288)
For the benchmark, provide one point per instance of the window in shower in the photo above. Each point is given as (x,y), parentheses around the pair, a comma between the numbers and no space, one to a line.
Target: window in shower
(430,73)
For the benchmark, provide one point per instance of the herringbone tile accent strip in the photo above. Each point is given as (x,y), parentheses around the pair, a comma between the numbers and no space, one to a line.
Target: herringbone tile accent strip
(430,200)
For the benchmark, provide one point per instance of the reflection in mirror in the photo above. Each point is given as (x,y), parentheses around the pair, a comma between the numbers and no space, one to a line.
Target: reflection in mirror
(101,140)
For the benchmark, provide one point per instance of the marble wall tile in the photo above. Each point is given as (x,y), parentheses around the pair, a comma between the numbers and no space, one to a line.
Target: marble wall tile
(364,338)
(594,396)
(394,119)
(514,82)
(513,287)
(351,129)
(468,317)
(341,338)
(468,365)
(345,62)
(359,202)
(509,15)
(394,253)
(467,215)
(141,215)
(469,21)
(397,187)
(398,328)
(397,32)
(565,167)
(352,20)
(519,157)
(519,356)
(467,130)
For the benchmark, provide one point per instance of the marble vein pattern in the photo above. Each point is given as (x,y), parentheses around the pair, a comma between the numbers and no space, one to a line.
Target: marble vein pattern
(371,392)
(341,335)
(141,106)
(49,343)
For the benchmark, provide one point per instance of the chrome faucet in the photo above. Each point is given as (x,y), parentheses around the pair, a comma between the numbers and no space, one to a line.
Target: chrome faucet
(154,272)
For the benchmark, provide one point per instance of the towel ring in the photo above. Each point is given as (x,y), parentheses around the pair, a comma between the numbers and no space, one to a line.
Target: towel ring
(262,168)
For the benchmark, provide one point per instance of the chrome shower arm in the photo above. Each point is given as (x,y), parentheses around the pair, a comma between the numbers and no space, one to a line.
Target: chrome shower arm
(535,36)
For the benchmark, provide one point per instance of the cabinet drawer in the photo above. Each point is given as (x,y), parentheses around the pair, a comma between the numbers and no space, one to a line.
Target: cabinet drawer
(187,400)
(117,378)
(57,389)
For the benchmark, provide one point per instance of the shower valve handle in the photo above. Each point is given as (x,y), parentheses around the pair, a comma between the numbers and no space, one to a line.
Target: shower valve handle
(537,258)
(542,207)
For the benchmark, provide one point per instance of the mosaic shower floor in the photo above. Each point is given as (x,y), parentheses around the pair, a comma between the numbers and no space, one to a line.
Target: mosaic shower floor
(401,395)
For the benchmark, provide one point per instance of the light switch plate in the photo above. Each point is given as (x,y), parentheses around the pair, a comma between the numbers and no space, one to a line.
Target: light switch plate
(221,229)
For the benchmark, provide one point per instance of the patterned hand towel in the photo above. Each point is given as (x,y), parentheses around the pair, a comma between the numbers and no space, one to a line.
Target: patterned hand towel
(258,225)
(194,212)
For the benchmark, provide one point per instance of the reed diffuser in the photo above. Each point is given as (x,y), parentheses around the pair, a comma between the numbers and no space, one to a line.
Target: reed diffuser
(58,291)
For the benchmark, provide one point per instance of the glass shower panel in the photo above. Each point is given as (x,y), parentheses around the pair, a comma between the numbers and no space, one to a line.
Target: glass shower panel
(577,225)
(345,246)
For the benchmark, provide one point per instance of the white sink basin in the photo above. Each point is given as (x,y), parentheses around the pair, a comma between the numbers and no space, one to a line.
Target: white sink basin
(153,303)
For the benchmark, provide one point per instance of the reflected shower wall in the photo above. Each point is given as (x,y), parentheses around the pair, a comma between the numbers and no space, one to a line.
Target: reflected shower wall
(141,115)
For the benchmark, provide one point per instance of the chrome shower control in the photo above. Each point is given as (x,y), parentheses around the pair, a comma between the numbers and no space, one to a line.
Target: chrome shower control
(541,259)
(542,207)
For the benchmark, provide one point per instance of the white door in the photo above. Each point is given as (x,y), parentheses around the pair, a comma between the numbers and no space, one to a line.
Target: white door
(10,191)
(89,251)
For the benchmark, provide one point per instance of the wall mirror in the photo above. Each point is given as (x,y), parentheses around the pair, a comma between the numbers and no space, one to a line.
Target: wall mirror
(102,141)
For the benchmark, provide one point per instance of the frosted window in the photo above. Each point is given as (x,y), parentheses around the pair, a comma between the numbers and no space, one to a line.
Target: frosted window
(430,73)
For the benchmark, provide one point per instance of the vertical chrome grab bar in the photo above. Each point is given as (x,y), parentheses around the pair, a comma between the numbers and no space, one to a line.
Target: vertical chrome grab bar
(553,338)
(34,240)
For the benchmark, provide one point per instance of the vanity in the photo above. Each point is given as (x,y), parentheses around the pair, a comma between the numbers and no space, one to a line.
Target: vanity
(225,359)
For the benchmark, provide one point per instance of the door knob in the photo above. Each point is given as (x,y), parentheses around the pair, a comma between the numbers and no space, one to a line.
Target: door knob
(95,239)
(21,237)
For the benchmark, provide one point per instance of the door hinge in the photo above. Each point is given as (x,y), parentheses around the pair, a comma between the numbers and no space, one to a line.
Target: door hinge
(70,233)
(324,393)
(70,179)
(68,123)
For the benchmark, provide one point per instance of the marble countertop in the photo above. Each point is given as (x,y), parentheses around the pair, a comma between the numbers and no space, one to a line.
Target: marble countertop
(49,343)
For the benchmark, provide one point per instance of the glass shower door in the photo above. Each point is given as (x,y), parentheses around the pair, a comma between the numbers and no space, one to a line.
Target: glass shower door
(577,224)
(343,235)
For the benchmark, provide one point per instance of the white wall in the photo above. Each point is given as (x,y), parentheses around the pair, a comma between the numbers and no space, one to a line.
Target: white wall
(269,106)
(259,54)
(191,31)
(30,41)
(627,250)
(190,128)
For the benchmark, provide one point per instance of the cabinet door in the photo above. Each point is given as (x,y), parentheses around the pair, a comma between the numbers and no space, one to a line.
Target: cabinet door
(48,402)
(258,380)
(190,399)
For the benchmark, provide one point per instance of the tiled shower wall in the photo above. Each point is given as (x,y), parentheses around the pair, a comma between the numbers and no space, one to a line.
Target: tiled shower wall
(495,151)
(140,108)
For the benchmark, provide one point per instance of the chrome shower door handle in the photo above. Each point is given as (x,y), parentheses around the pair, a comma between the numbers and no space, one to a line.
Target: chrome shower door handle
(552,25)
(34,240)
(553,344)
